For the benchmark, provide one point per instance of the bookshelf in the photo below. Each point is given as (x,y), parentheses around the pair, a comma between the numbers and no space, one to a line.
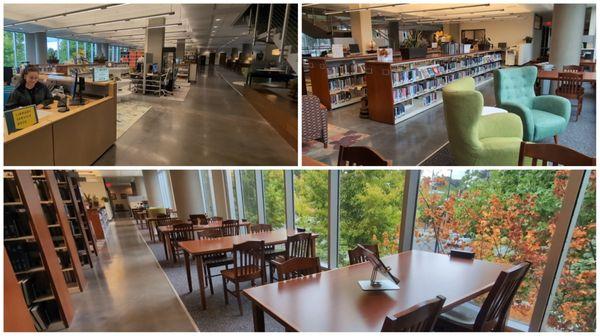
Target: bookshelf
(403,89)
(339,82)
(32,253)
(69,194)
(16,314)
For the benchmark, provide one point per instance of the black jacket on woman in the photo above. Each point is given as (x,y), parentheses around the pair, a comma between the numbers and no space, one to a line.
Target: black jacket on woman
(21,96)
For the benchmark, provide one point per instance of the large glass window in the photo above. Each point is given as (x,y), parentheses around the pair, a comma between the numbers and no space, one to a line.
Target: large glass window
(14,49)
(165,188)
(72,50)
(311,204)
(248,181)
(503,216)
(232,195)
(207,194)
(63,51)
(370,210)
(573,307)
(274,194)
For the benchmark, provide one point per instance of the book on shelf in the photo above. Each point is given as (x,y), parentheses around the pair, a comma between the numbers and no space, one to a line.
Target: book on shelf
(40,317)
(16,222)
(28,290)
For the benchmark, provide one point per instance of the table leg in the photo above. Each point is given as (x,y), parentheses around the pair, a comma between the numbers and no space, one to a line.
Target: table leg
(164,240)
(150,231)
(258,315)
(200,267)
(188,272)
(168,242)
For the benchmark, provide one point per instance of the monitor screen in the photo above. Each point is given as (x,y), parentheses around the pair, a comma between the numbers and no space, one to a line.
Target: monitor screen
(155,68)
(74,86)
(354,48)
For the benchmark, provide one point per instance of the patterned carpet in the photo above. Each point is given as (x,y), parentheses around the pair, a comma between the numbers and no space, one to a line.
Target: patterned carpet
(337,136)
(218,317)
(128,112)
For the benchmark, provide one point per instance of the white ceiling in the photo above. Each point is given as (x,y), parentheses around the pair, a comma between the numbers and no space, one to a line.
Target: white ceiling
(424,11)
(198,23)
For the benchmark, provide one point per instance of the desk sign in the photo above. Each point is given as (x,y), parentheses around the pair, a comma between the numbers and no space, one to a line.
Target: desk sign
(20,118)
(101,74)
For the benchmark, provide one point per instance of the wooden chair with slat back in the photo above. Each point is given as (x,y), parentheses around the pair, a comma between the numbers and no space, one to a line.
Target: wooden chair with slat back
(360,156)
(215,219)
(554,155)
(230,227)
(570,86)
(256,228)
(356,255)
(213,260)
(572,68)
(181,232)
(493,313)
(248,265)
(198,219)
(270,251)
(297,267)
(418,318)
(164,221)
(296,246)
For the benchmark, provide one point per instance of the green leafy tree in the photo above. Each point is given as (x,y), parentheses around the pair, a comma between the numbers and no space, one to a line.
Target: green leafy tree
(274,186)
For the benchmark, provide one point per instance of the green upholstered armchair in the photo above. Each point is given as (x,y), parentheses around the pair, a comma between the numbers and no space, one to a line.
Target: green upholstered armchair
(476,140)
(542,116)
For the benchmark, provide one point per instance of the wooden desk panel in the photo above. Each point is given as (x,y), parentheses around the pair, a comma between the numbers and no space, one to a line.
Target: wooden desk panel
(553,75)
(332,301)
(35,149)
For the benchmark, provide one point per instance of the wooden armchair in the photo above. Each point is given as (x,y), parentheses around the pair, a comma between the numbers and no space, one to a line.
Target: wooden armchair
(213,260)
(181,232)
(296,246)
(570,86)
(248,265)
(297,267)
(553,154)
(356,255)
(314,120)
(418,318)
(231,227)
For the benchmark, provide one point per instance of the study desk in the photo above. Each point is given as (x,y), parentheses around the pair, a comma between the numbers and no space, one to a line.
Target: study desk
(164,232)
(74,138)
(199,248)
(553,75)
(332,301)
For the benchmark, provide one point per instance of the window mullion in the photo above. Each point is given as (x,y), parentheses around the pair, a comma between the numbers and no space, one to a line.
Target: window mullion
(409,209)
(239,194)
(559,246)
(334,217)
(290,215)
(260,196)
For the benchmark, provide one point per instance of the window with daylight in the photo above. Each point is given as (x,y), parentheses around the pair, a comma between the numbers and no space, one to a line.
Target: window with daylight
(501,215)
(248,182)
(370,210)
(311,205)
(165,188)
(274,194)
(14,49)
(207,193)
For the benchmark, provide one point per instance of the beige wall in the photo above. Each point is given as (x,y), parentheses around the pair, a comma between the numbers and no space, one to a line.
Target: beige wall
(511,31)
(96,188)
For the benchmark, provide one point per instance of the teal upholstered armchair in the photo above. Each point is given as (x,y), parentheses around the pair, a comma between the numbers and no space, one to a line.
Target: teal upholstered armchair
(476,140)
(542,116)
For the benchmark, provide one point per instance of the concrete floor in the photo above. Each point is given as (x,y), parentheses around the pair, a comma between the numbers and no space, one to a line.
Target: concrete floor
(414,140)
(127,290)
(214,126)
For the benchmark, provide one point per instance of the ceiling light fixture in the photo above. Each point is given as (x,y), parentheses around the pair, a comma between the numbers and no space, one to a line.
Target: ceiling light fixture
(438,10)
(362,9)
(79,11)
(114,21)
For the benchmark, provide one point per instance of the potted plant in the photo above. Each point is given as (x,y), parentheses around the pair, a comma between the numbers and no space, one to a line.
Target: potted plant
(413,46)
(485,45)
(100,59)
(52,59)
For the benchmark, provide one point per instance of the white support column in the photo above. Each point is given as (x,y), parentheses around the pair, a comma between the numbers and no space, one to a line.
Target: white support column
(187,192)
(239,195)
(567,34)
(362,30)
(152,188)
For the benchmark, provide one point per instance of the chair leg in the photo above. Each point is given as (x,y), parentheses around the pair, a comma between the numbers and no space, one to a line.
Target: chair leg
(556,139)
(239,297)
(212,292)
(225,291)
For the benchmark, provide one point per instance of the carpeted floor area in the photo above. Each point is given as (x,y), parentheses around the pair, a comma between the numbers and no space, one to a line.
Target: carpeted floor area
(218,317)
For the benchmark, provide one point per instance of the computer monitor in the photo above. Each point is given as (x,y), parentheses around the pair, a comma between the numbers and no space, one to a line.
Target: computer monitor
(354,49)
(155,68)
(77,90)
(8,74)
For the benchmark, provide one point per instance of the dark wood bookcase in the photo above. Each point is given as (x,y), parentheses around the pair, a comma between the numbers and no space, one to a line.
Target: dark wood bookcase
(34,240)
(405,88)
(70,193)
(16,314)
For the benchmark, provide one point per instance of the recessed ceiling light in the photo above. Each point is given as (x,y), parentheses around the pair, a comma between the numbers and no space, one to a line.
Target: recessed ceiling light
(218,19)
(215,26)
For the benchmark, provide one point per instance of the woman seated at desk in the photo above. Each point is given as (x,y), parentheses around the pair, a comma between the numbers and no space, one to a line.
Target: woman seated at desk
(30,91)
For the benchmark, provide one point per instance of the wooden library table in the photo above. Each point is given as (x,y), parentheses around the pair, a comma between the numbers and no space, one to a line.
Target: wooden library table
(553,75)
(199,248)
(332,301)
(164,231)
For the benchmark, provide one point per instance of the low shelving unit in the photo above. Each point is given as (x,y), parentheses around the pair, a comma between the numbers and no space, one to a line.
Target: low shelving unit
(403,89)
